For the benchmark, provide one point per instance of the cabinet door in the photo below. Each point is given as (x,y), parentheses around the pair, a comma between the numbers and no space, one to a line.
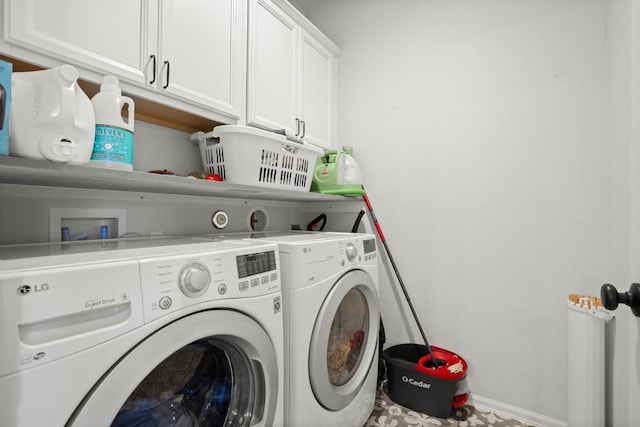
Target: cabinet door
(109,37)
(272,100)
(201,52)
(317,94)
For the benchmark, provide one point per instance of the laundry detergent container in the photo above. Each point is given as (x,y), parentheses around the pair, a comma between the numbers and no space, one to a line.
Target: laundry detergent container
(51,117)
(415,384)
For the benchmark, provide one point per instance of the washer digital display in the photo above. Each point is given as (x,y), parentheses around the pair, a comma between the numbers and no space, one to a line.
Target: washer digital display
(369,245)
(257,263)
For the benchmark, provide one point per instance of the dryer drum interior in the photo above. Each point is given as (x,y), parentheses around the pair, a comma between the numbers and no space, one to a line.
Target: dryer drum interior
(206,383)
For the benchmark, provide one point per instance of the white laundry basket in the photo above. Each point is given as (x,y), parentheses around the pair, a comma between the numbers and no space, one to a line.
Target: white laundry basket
(252,156)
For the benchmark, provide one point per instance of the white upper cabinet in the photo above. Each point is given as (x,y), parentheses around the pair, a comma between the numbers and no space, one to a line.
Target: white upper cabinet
(108,36)
(201,52)
(292,72)
(272,73)
(192,51)
(317,97)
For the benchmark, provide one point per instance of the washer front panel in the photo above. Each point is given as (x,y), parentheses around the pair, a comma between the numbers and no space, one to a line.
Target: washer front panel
(69,320)
(51,314)
(238,331)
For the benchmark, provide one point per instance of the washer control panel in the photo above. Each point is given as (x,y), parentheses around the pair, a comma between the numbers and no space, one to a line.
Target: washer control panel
(170,283)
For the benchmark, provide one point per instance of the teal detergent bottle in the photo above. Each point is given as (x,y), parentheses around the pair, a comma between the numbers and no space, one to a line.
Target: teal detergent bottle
(113,145)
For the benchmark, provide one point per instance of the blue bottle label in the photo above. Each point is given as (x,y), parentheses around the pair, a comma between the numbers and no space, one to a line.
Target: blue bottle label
(113,144)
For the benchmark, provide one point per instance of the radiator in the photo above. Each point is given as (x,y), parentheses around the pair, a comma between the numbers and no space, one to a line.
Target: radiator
(586,364)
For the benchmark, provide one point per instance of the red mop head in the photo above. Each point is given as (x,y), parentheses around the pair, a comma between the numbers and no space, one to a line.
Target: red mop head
(450,367)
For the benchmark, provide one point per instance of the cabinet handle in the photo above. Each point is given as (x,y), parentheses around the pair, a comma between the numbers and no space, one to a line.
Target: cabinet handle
(153,79)
(168,66)
(304,128)
(297,126)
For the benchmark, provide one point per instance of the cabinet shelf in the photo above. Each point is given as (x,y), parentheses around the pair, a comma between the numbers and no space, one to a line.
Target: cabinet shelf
(15,170)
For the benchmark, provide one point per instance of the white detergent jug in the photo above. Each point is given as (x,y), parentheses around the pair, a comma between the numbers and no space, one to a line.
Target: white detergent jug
(51,117)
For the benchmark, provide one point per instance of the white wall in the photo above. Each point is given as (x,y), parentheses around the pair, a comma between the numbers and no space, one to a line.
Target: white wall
(483,132)
(156,147)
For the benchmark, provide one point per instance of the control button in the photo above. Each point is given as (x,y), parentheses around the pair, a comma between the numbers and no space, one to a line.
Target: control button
(264,279)
(222,289)
(244,285)
(165,303)
(274,276)
(351,251)
(255,282)
(194,279)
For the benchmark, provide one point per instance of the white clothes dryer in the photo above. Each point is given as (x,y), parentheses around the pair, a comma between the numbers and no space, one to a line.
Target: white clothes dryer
(331,314)
(158,331)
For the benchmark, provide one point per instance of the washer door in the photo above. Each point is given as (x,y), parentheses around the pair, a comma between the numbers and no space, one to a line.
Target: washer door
(344,340)
(211,368)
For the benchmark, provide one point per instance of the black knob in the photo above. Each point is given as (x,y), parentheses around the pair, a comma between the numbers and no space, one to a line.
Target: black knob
(611,297)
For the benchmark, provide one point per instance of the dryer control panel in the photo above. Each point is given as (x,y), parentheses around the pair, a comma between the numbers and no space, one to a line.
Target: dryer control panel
(172,283)
(317,260)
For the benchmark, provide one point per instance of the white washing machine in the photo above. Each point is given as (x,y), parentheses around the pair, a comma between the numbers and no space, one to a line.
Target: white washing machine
(158,331)
(331,314)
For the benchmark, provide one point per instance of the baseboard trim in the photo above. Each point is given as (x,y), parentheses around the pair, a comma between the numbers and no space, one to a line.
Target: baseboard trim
(510,411)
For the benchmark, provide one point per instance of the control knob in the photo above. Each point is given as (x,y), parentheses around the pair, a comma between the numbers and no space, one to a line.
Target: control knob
(194,279)
(351,251)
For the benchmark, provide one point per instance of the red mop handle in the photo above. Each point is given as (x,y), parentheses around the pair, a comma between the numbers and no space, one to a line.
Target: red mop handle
(400,281)
(373,217)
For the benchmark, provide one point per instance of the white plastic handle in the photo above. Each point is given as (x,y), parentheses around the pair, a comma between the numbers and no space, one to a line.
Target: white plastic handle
(67,77)
(131,109)
(204,140)
(290,148)
(58,148)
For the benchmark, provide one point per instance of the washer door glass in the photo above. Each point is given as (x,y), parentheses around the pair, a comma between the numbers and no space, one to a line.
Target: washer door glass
(211,368)
(344,340)
(205,383)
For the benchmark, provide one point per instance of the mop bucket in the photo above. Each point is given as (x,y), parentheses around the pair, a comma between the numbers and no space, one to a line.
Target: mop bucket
(415,383)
